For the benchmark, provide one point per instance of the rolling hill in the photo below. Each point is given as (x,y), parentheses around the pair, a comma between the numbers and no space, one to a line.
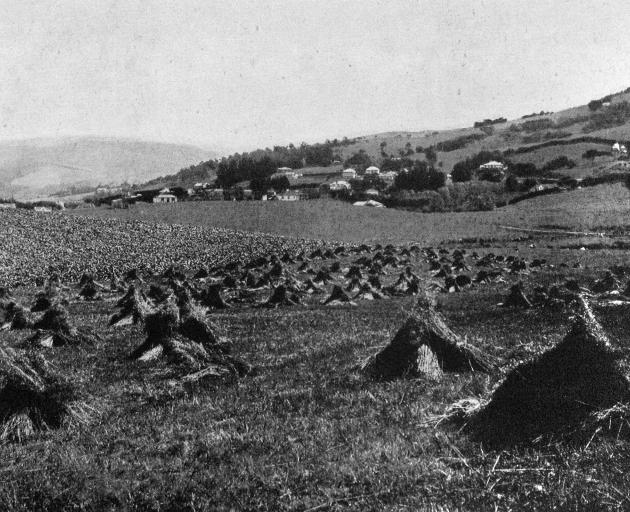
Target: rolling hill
(534,138)
(38,166)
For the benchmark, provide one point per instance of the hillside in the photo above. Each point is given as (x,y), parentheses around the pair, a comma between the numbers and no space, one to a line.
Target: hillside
(533,138)
(36,166)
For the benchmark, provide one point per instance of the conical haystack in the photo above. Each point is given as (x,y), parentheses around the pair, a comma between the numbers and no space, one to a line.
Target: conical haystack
(15,317)
(338,297)
(54,329)
(280,297)
(212,298)
(424,328)
(203,358)
(557,390)
(134,307)
(311,288)
(517,298)
(33,397)
(89,291)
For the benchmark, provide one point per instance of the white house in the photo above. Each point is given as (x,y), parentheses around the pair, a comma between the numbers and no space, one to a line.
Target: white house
(43,209)
(165,198)
(492,166)
(7,206)
(348,174)
(372,192)
(336,186)
(616,147)
(288,195)
(373,170)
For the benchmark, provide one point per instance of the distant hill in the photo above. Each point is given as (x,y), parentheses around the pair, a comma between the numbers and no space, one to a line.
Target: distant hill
(37,166)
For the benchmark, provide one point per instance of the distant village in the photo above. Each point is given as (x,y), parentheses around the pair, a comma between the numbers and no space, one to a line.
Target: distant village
(367,186)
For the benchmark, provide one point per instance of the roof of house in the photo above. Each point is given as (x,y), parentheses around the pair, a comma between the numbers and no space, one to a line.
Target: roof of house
(369,202)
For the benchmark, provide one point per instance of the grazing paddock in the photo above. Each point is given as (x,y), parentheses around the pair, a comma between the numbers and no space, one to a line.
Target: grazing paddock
(604,207)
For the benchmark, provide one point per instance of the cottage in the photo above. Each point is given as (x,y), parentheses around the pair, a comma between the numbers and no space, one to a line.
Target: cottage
(44,209)
(214,194)
(492,171)
(288,195)
(336,186)
(7,206)
(373,170)
(120,203)
(348,174)
(370,203)
(165,198)
(616,148)
(372,192)
(493,165)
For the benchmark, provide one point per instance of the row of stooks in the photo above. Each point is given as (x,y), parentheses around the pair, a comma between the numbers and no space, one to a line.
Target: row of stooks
(579,382)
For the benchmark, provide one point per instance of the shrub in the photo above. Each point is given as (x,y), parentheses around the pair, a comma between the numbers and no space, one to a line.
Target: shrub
(560,162)
(593,153)
(458,142)
(420,177)
(615,115)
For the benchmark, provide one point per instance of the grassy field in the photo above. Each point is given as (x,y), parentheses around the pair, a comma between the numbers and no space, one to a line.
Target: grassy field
(306,432)
(601,208)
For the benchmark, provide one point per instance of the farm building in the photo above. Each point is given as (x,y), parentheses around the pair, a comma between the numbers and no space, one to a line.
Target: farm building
(288,195)
(373,170)
(336,186)
(492,170)
(287,172)
(7,206)
(348,174)
(45,209)
(214,194)
(371,203)
(165,198)
(493,165)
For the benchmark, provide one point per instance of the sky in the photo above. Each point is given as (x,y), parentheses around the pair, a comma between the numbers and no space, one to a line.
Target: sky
(241,75)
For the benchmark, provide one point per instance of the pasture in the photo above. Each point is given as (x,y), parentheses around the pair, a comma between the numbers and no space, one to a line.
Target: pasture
(306,431)
(598,208)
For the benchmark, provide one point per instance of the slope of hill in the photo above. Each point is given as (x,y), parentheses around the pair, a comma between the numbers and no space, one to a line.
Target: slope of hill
(563,133)
(29,167)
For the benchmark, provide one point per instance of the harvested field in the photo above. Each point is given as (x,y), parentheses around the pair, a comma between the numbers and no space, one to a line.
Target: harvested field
(266,408)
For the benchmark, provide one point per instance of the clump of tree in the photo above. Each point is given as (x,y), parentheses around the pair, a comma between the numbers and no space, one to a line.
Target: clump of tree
(535,125)
(614,115)
(590,154)
(396,164)
(561,162)
(524,169)
(359,160)
(458,142)
(279,183)
(549,135)
(420,177)
(486,122)
(536,114)
(464,170)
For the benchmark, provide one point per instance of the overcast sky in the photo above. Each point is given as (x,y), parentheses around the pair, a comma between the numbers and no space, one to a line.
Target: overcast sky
(241,75)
